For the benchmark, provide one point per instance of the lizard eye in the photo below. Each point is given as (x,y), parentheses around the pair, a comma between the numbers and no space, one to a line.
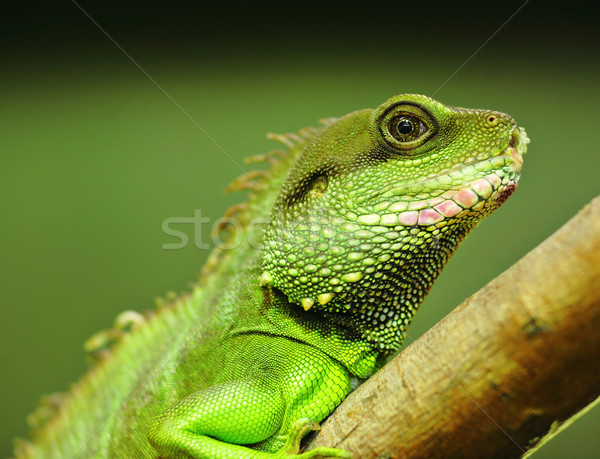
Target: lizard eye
(406,128)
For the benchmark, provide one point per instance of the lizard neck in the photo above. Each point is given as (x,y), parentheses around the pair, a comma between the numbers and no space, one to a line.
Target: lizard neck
(340,340)
(380,307)
(373,316)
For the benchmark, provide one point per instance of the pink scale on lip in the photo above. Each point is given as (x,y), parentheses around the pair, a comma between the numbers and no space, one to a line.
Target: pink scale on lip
(494,180)
(434,201)
(409,218)
(517,157)
(466,198)
(429,217)
(448,208)
(482,187)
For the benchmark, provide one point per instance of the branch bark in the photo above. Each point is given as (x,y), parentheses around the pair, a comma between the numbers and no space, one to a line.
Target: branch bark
(501,373)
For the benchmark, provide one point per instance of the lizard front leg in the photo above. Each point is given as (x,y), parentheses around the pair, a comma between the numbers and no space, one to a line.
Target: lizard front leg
(215,422)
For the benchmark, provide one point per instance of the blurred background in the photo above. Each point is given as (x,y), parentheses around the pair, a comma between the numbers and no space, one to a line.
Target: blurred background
(96,150)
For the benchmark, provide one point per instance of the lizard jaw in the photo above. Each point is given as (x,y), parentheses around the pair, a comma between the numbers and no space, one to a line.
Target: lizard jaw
(490,190)
(485,191)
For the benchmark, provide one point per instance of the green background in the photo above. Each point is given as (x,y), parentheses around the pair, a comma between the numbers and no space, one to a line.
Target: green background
(94,156)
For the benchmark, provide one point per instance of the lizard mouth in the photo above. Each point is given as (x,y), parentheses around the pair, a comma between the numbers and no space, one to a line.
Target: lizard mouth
(491,190)
(512,156)
(494,180)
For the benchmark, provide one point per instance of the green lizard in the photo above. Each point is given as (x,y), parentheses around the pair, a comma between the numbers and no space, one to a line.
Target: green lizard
(361,215)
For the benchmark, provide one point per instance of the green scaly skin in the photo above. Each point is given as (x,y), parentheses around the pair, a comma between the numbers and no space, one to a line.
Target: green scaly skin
(364,213)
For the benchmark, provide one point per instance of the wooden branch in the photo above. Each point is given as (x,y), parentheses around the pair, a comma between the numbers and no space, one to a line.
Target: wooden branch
(501,373)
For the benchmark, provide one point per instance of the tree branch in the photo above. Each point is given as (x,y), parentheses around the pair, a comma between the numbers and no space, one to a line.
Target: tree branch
(500,374)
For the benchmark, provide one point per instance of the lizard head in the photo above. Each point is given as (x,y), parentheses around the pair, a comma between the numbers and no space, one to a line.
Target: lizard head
(377,202)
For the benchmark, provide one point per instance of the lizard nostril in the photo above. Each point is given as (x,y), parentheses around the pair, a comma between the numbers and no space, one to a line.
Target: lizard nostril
(515,138)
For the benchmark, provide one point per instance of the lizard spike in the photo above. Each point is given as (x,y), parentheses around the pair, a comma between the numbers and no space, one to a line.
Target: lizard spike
(235,209)
(47,407)
(265,279)
(307,132)
(307,303)
(101,340)
(294,137)
(23,448)
(211,265)
(262,158)
(271,157)
(325,298)
(160,303)
(171,296)
(327,121)
(283,138)
(246,181)
(233,212)
(129,320)
(280,153)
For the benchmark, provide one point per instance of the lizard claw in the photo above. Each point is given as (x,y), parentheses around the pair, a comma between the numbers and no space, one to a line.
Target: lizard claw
(292,445)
